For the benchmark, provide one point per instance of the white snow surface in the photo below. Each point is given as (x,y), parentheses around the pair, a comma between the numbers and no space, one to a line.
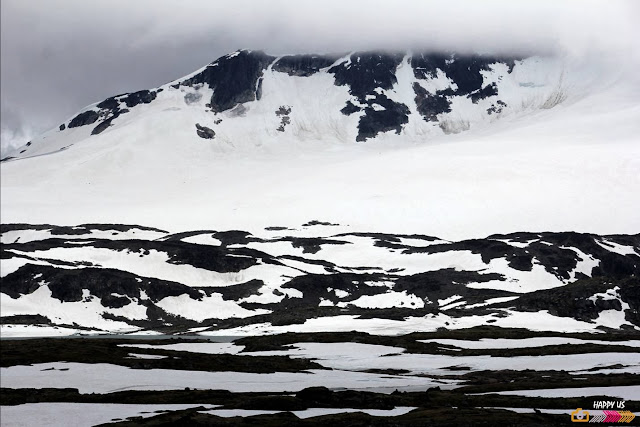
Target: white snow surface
(105,378)
(618,248)
(386,300)
(359,357)
(312,412)
(90,310)
(199,347)
(535,321)
(203,239)
(569,167)
(35,331)
(586,263)
(146,356)
(24,236)
(487,343)
(155,264)
(213,306)
(58,414)
(612,318)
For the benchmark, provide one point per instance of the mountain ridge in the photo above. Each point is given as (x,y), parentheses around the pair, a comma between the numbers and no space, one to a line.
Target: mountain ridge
(430,85)
(161,157)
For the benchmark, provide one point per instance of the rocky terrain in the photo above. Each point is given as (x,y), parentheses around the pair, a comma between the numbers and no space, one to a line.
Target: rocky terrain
(116,278)
(473,376)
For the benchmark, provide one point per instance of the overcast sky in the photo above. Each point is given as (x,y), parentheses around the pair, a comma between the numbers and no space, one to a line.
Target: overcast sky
(59,56)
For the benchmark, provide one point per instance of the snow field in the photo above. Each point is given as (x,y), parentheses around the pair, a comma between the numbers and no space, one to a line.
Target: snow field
(105,378)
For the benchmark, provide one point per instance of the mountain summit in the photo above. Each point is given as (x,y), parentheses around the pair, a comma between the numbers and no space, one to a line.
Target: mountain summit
(251,96)
(446,144)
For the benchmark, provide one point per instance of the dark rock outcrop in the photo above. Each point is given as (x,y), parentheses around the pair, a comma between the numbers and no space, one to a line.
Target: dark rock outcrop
(429,105)
(303,65)
(114,288)
(390,118)
(140,97)
(205,132)
(577,300)
(84,118)
(234,78)
(365,73)
(283,112)
(463,70)
(110,109)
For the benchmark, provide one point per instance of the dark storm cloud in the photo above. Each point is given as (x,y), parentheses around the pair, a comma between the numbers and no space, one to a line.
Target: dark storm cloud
(60,56)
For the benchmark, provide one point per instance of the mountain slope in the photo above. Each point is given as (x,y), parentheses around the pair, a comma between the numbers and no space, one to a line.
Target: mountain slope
(372,153)
(364,139)
(262,99)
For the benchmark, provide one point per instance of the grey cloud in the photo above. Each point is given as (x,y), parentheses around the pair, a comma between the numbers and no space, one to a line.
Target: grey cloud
(60,56)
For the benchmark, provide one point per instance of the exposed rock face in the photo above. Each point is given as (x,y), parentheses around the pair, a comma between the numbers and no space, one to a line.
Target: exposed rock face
(350,108)
(102,126)
(391,118)
(497,109)
(234,78)
(464,71)
(85,118)
(205,132)
(365,74)
(367,71)
(283,112)
(586,299)
(304,65)
(140,97)
(110,109)
(429,105)
(114,288)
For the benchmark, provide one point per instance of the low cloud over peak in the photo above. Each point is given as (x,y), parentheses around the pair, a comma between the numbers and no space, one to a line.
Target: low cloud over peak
(60,56)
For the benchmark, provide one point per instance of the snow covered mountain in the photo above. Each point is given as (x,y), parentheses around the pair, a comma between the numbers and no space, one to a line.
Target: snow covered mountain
(249,98)
(365,139)
(374,152)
